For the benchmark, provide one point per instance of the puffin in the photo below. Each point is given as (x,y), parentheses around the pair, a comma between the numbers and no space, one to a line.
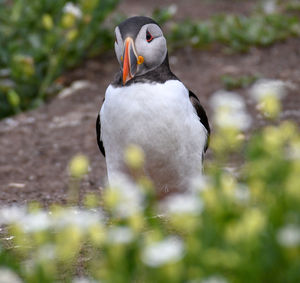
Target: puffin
(148,106)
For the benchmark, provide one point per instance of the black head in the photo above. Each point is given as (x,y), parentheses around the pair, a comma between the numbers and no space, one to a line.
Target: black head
(132,26)
(140,47)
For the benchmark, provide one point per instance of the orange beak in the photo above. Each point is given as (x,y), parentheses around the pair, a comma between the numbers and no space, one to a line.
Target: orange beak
(130,60)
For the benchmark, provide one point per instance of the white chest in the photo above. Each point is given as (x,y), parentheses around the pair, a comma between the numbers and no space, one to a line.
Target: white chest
(161,120)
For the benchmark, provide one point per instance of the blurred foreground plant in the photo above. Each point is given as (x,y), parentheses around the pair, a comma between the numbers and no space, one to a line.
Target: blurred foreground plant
(238,225)
(41,39)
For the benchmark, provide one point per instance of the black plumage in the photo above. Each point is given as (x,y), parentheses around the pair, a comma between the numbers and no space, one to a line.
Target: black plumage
(98,132)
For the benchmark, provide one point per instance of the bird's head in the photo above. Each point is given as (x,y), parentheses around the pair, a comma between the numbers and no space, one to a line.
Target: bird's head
(140,46)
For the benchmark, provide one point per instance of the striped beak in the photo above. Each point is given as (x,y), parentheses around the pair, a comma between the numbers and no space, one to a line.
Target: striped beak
(130,60)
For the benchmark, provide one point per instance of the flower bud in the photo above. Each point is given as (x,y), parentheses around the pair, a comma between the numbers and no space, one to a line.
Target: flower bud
(47,22)
(134,157)
(78,166)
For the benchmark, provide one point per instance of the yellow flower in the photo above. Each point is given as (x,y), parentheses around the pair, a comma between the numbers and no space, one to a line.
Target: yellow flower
(91,201)
(218,257)
(228,185)
(288,130)
(136,222)
(184,223)
(97,234)
(89,5)
(273,138)
(68,20)
(111,197)
(134,157)
(24,64)
(146,184)
(78,166)
(226,140)
(210,199)
(270,106)
(254,220)
(72,34)
(68,243)
(250,225)
(47,21)
(13,98)
(257,189)
(292,183)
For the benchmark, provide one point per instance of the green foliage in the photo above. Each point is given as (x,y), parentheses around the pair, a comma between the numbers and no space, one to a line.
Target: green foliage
(164,15)
(289,5)
(237,226)
(234,82)
(41,39)
(236,32)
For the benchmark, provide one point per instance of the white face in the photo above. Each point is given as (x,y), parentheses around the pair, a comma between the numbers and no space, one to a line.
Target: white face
(149,43)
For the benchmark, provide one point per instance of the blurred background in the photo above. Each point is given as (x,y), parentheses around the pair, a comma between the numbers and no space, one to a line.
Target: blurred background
(57,58)
(241,223)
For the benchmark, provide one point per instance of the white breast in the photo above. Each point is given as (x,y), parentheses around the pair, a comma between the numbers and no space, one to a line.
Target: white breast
(162,121)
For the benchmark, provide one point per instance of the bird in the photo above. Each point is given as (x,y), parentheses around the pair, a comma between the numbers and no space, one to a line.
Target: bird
(148,106)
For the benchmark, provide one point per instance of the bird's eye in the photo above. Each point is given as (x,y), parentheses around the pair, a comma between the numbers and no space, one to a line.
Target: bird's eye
(149,37)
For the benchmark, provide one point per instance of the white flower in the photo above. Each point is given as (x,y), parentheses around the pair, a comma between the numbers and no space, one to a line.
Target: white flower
(199,184)
(230,110)
(5,72)
(8,276)
(73,9)
(46,252)
(83,280)
(228,99)
(293,152)
(289,236)
(80,218)
(242,193)
(130,196)
(187,203)
(12,214)
(10,124)
(120,235)
(41,220)
(270,6)
(172,9)
(28,265)
(228,118)
(214,279)
(195,39)
(34,222)
(169,250)
(264,88)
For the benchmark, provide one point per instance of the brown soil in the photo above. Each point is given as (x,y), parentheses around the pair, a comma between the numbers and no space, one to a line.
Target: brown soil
(35,147)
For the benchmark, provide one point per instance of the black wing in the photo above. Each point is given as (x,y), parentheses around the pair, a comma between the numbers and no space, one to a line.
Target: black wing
(98,130)
(201,114)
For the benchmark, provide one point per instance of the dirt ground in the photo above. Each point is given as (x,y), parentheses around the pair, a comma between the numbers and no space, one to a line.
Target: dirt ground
(35,147)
